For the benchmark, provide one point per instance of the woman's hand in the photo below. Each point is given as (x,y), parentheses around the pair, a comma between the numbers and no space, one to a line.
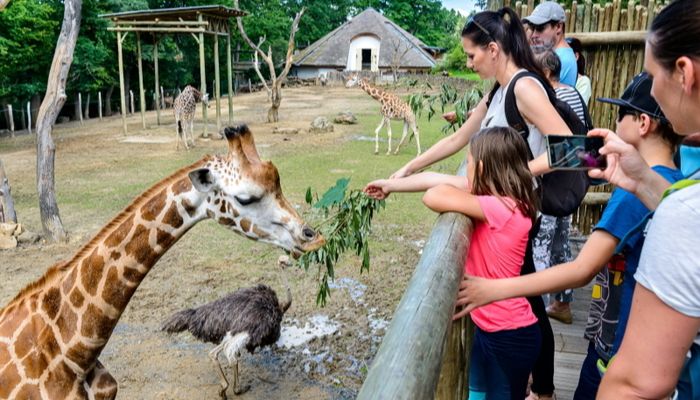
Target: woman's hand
(379,189)
(473,292)
(450,117)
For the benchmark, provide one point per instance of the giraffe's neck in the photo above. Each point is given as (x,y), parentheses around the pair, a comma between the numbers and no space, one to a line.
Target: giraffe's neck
(91,291)
(375,92)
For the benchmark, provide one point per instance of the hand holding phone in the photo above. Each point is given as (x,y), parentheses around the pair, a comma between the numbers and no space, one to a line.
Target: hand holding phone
(575,152)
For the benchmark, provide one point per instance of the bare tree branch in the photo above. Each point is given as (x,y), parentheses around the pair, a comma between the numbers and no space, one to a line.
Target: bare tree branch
(290,46)
(256,66)
(399,50)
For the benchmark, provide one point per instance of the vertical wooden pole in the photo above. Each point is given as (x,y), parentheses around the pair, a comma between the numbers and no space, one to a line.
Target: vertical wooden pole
(12,120)
(142,94)
(217,82)
(99,104)
(29,116)
(122,95)
(228,74)
(155,65)
(162,98)
(202,76)
(131,102)
(86,109)
(80,107)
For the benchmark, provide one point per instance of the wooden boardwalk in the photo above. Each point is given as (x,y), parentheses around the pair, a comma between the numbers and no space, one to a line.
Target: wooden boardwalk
(570,346)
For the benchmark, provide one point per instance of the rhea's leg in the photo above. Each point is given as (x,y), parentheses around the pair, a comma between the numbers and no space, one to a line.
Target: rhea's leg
(214,355)
(237,389)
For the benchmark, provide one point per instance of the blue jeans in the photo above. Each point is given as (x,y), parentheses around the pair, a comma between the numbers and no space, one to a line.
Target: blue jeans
(501,362)
(589,379)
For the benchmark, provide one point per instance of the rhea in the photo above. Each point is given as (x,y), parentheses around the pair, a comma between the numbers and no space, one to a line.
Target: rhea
(248,318)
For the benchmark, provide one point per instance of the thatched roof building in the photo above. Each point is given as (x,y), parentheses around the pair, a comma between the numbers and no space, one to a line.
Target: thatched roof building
(369,41)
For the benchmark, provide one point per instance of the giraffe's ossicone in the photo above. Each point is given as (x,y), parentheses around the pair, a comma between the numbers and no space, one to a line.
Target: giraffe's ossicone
(53,331)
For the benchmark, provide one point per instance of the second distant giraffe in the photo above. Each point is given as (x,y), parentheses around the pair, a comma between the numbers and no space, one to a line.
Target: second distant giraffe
(184,107)
(392,108)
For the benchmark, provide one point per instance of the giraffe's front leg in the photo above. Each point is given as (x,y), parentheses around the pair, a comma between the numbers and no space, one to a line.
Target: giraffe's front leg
(403,136)
(376,136)
(100,384)
(388,133)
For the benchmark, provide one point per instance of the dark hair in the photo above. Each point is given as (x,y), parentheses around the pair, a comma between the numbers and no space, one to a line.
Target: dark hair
(501,157)
(503,27)
(577,47)
(674,33)
(549,60)
(662,128)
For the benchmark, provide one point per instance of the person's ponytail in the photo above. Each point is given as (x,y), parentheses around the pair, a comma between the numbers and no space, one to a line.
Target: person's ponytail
(518,46)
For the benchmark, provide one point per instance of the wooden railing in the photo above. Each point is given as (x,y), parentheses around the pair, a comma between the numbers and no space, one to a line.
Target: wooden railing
(421,341)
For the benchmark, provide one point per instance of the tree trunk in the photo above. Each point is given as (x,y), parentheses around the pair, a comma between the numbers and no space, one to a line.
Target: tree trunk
(76,109)
(7,213)
(48,112)
(86,112)
(275,101)
(108,101)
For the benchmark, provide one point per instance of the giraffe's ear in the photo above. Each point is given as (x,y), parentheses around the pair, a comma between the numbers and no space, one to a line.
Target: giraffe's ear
(202,179)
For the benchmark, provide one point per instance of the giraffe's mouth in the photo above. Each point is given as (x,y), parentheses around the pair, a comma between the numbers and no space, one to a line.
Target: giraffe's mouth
(316,244)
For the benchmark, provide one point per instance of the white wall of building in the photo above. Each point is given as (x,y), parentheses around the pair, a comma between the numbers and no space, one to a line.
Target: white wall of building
(310,72)
(359,43)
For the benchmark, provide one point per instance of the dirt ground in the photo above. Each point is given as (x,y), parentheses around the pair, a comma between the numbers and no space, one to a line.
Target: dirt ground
(149,364)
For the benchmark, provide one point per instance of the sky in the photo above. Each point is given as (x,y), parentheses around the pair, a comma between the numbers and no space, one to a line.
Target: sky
(464,7)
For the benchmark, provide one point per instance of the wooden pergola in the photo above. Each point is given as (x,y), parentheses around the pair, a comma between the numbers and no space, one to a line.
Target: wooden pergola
(197,21)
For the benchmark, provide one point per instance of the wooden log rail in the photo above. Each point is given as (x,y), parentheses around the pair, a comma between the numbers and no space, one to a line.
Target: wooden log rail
(408,363)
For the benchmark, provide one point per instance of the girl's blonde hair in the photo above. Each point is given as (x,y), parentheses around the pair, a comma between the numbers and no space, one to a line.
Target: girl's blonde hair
(501,158)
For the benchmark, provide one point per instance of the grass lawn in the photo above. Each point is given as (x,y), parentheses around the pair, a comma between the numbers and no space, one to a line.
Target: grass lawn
(472,76)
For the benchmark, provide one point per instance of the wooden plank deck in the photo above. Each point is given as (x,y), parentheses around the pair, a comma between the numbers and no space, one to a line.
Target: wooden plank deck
(570,346)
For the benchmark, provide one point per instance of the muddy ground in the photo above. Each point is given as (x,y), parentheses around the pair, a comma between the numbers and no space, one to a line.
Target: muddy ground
(151,365)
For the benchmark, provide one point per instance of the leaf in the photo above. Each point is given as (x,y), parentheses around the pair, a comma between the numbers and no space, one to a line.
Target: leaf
(309,196)
(334,195)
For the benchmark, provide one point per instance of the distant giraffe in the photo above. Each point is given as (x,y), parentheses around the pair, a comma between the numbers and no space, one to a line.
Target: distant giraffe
(184,108)
(392,108)
(53,331)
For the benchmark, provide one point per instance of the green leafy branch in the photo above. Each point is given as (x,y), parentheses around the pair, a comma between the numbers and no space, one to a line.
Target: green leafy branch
(447,97)
(347,218)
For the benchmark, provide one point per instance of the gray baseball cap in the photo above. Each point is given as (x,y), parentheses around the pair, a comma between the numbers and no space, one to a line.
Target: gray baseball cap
(545,12)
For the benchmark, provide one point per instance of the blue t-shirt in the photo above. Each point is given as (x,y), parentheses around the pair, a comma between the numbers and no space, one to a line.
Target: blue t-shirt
(632,249)
(569,68)
(614,284)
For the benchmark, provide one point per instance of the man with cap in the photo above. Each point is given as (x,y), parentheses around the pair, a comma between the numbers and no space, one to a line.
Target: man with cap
(611,253)
(548,25)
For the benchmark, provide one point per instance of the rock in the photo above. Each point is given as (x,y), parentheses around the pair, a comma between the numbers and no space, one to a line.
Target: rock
(321,125)
(7,242)
(285,131)
(9,228)
(27,237)
(346,118)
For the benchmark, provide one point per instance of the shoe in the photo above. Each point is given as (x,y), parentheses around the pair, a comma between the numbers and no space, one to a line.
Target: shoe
(563,316)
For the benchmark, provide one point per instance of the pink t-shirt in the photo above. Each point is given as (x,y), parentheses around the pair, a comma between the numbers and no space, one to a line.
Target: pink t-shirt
(497,250)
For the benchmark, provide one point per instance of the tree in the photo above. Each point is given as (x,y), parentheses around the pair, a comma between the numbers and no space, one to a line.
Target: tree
(48,112)
(398,48)
(274,88)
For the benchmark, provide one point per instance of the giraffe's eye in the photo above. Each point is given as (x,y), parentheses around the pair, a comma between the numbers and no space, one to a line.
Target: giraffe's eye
(247,200)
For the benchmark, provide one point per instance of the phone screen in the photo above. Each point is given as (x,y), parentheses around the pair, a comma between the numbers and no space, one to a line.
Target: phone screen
(575,152)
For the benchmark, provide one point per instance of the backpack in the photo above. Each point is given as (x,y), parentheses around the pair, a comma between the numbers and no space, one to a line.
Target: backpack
(561,192)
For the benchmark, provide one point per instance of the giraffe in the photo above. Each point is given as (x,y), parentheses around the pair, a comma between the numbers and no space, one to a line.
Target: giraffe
(392,108)
(184,108)
(53,331)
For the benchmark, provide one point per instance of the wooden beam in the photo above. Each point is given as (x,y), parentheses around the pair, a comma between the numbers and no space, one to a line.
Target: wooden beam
(142,96)
(606,38)
(181,22)
(157,79)
(228,76)
(217,84)
(122,95)
(202,78)
(155,29)
(407,365)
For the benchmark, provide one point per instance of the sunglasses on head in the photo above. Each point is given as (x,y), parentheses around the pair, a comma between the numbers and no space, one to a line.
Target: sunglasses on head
(478,25)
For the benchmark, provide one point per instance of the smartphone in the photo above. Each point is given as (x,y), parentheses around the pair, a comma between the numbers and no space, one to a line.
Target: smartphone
(575,152)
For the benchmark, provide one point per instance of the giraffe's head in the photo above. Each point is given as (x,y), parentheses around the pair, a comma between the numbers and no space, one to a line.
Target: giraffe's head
(243,193)
(354,80)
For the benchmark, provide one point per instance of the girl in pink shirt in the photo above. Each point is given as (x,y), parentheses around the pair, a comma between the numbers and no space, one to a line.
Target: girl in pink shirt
(498,195)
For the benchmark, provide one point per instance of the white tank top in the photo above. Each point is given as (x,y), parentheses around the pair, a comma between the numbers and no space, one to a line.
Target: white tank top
(496,116)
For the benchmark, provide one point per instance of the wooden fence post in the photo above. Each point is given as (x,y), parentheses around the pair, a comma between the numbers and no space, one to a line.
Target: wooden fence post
(9,213)
(99,104)
(162,98)
(80,107)
(86,114)
(11,120)
(131,101)
(29,116)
